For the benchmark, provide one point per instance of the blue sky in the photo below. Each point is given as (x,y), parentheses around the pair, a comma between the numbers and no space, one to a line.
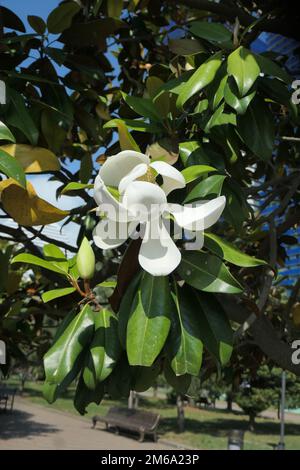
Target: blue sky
(44,188)
(23,8)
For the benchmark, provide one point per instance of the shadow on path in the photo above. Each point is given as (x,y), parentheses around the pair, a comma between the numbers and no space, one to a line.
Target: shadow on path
(20,424)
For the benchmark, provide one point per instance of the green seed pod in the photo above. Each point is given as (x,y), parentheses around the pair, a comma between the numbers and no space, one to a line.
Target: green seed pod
(85,260)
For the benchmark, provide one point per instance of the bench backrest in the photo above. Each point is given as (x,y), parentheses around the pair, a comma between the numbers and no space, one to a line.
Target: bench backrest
(138,417)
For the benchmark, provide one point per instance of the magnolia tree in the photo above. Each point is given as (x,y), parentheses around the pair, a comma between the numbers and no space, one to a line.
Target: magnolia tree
(177,138)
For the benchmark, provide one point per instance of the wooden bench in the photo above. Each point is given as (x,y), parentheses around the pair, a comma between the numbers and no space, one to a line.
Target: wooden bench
(140,421)
(203,401)
(7,397)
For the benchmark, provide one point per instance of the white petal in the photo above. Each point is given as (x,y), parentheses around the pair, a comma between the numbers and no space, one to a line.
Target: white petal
(172,178)
(200,217)
(144,200)
(118,166)
(135,173)
(194,240)
(158,255)
(108,204)
(109,234)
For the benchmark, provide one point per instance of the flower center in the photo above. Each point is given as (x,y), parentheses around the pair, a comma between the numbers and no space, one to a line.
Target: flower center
(149,177)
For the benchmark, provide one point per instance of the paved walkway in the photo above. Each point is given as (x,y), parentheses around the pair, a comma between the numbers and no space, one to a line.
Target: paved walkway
(35,427)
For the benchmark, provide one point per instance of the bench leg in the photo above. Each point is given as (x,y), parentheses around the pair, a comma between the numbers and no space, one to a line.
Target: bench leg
(142,436)
(155,436)
(12,403)
(117,431)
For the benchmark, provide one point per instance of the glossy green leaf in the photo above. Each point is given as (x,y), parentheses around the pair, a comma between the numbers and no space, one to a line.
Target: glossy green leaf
(269,67)
(55,256)
(120,381)
(239,104)
(91,33)
(109,284)
(126,140)
(180,383)
(126,307)
(35,260)
(104,350)
(145,377)
(176,85)
(10,20)
(256,128)
(61,17)
(37,23)
(187,148)
(216,332)
(219,118)
(61,357)
(212,185)
(84,396)
(237,209)
(5,133)
(208,273)
(162,100)
(12,168)
(242,65)
(193,172)
(54,134)
(134,124)
(67,319)
(56,293)
(142,106)
(186,47)
(202,77)
(184,345)
(50,392)
(86,168)
(19,116)
(212,32)
(73,270)
(149,321)
(276,89)
(76,187)
(229,252)
(215,91)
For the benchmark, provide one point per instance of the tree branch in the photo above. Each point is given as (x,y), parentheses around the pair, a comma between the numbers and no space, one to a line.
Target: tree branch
(19,236)
(267,284)
(264,334)
(230,13)
(287,25)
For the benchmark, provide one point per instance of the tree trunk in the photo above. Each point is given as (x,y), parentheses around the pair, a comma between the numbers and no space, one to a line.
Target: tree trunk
(180,413)
(251,422)
(23,381)
(229,401)
(131,400)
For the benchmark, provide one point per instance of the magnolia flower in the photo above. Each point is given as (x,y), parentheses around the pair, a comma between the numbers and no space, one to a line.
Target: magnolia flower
(141,201)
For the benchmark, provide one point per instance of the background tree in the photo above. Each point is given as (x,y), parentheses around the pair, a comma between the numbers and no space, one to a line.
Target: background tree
(98,77)
(262,391)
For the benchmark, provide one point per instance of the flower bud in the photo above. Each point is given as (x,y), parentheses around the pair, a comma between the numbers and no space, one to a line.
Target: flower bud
(85,260)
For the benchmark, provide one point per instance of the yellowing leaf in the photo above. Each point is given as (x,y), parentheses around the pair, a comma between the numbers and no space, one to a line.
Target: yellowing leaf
(127,142)
(26,207)
(157,152)
(33,159)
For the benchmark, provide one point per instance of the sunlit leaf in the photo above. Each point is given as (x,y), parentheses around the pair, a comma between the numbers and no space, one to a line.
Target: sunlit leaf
(33,159)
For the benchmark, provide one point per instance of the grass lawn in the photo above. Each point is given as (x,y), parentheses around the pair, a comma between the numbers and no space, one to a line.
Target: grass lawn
(205,428)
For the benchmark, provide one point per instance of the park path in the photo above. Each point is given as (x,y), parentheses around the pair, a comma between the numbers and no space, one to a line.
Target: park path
(32,426)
